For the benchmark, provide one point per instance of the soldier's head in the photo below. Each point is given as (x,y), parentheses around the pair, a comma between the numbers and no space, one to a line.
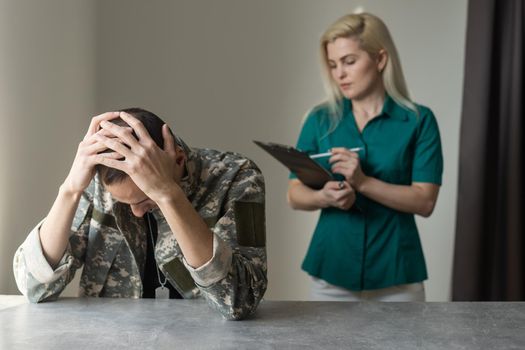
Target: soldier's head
(119,184)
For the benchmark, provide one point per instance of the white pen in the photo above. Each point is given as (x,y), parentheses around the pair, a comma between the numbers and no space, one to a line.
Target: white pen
(328,154)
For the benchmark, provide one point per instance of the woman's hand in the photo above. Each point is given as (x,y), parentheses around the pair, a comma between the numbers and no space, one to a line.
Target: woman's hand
(347,163)
(337,194)
(83,168)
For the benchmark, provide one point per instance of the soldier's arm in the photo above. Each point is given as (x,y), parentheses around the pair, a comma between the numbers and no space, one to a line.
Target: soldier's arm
(55,229)
(43,264)
(36,276)
(235,279)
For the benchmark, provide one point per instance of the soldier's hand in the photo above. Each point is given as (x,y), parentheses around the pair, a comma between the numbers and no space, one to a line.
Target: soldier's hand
(83,168)
(151,168)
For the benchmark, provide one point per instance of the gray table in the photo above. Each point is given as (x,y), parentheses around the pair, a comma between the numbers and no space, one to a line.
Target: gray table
(98,324)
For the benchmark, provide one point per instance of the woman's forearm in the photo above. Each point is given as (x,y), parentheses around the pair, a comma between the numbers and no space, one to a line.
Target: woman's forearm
(418,198)
(302,197)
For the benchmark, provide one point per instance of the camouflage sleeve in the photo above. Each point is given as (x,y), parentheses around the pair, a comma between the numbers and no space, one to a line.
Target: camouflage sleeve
(235,279)
(34,277)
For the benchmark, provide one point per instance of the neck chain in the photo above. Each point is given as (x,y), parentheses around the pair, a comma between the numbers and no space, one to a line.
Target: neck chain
(162,284)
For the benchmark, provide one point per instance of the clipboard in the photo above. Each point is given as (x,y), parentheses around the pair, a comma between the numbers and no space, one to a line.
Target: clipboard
(311,173)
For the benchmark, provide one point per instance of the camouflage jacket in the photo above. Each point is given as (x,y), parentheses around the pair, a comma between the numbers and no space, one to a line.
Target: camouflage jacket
(226,190)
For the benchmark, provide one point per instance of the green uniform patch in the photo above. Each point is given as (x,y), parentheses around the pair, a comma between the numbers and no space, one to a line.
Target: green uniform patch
(250,223)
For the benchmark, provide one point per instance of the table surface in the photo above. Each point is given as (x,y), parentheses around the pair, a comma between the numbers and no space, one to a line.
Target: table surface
(99,323)
(11,301)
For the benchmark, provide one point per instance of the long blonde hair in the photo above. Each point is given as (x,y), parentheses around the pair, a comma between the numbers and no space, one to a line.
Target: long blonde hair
(373,36)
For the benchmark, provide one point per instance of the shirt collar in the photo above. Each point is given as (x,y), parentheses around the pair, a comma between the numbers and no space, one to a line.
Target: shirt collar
(390,109)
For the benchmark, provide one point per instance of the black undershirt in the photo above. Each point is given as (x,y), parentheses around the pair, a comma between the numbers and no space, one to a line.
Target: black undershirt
(150,279)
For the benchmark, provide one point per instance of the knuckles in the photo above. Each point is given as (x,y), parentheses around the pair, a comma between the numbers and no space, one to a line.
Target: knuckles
(142,153)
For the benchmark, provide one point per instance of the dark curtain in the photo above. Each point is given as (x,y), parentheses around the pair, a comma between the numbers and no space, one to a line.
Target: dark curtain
(489,256)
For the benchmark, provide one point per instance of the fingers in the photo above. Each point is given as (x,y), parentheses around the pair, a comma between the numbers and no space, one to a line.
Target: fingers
(343,150)
(95,148)
(346,168)
(343,193)
(337,196)
(340,153)
(337,188)
(337,168)
(343,157)
(94,138)
(122,133)
(345,199)
(137,126)
(105,133)
(111,160)
(169,141)
(331,185)
(344,185)
(110,155)
(345,205)
(95,122)
(115,145)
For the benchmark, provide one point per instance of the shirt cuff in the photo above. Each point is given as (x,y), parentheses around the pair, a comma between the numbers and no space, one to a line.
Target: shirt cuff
(216,268)
(36,262)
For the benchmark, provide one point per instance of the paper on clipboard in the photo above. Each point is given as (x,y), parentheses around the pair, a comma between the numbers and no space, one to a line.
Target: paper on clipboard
(311,173)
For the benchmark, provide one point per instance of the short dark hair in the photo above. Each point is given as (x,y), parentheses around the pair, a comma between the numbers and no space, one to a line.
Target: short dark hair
(153,125)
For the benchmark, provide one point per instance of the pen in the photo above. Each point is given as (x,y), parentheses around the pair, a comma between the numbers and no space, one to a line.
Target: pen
(328,154)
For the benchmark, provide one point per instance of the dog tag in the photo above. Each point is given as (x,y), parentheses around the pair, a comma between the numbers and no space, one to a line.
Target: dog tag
(162,293)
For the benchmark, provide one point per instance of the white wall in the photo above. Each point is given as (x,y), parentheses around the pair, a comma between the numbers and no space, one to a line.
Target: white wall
(225,73)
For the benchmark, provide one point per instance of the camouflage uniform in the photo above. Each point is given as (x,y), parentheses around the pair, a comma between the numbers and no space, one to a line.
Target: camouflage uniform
(226,190)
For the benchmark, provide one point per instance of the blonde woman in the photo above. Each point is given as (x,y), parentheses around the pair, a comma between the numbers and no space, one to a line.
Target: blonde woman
(366,244)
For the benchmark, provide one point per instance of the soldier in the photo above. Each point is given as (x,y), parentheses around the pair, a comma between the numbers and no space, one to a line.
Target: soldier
(148,216)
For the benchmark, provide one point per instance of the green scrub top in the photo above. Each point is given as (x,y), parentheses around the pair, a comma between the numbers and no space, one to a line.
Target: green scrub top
(371,246)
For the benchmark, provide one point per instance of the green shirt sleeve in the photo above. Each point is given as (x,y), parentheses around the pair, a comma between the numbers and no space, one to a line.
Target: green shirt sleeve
(428,156)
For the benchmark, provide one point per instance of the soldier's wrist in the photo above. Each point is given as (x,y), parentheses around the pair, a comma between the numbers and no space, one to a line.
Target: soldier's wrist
(66,190)
(168,195)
